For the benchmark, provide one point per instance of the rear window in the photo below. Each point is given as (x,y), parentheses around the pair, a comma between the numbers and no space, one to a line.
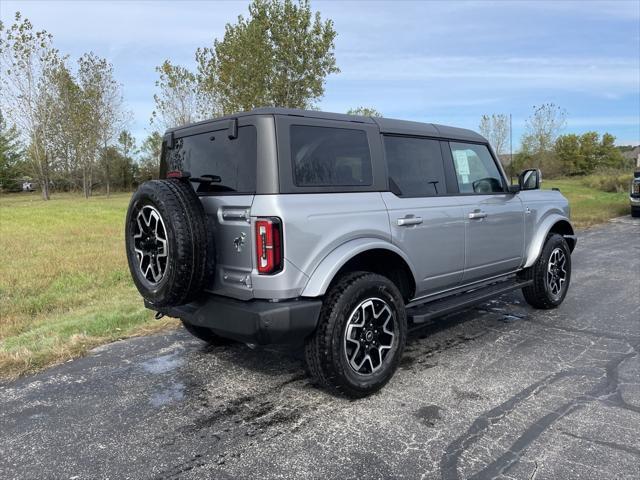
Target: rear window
(327,157)
(229,163)
(415,166)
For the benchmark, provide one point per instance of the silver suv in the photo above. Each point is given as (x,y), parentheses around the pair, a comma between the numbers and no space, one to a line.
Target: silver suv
(283,226)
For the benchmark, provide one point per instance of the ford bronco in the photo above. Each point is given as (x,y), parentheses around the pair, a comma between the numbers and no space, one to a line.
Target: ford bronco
(339,231)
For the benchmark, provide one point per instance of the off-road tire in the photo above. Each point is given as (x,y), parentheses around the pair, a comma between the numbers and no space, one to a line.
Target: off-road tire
(190,249)
(537,294)
(206,334)
(324,355)
(635,211)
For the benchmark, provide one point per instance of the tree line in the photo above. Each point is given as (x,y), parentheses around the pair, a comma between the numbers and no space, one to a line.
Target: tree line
(542,145)
(64,124)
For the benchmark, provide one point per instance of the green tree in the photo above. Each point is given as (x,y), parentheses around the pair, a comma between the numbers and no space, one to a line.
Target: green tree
(11,157)
(364,112)
(610,156)
(586,153)
(27,60)
(125,167)
(538,141)
(495,128)
(149,160)
(103,98)
(177,101)
(67,135)
(569,155)
(279,55)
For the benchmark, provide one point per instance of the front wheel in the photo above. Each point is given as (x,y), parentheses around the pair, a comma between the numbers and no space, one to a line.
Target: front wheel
(551,274)
(360,336)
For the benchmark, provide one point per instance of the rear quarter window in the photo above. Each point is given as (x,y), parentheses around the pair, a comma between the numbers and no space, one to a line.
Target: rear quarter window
(330,157)
(215,154)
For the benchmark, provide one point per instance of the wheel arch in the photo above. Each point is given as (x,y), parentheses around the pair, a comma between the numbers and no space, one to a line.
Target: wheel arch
(372,255)
(553,224)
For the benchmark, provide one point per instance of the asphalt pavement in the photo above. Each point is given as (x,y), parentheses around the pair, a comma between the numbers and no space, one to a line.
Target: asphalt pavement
(497,391)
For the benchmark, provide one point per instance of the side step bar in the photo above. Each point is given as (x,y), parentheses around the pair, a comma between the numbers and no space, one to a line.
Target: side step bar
(437,308)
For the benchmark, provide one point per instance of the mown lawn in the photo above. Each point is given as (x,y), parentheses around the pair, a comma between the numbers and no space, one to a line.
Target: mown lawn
(588,205)
(65,285)
(64,282)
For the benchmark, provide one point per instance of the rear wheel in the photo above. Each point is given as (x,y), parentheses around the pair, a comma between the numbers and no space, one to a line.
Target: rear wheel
(360,336)
(551,274)
(635,211)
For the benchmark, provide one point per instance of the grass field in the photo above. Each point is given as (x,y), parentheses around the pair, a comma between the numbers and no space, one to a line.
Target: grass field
(65,286)
(64,281)
(588,205)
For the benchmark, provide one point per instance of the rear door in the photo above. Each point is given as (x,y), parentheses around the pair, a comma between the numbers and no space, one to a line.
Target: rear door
(494,217)
(426,223)
(217,152)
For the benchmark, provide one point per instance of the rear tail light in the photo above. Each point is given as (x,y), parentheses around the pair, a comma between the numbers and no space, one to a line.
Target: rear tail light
(269,245)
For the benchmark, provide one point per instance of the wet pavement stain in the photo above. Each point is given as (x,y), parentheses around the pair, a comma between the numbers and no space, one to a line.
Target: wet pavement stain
(465,395)
(163,364)
(174,393)
(429,415)
(552,396)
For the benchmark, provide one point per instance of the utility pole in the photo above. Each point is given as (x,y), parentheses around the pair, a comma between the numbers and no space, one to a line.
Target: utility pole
(510,148)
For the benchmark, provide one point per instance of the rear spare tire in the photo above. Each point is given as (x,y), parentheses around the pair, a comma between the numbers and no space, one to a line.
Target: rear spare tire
(167,243)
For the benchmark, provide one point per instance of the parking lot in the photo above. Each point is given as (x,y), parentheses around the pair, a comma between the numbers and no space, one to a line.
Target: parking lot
(500,390)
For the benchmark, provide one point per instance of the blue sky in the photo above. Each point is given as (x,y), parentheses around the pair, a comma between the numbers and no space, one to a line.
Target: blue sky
(442,62)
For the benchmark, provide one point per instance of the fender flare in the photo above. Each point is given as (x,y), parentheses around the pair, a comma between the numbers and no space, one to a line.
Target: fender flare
(326,270)
(542,230)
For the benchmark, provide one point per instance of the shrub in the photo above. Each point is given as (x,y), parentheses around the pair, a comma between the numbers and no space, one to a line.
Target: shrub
(608,181)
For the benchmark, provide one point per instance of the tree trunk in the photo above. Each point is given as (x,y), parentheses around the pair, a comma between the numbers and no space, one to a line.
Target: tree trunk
(45,190)
(44,178)
(85,189)
(90,180)
(106,169)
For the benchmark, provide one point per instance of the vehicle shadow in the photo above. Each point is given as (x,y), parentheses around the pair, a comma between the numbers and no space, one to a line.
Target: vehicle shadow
(277,360)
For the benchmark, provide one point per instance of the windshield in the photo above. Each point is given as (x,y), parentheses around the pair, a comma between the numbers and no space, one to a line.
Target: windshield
(216,163)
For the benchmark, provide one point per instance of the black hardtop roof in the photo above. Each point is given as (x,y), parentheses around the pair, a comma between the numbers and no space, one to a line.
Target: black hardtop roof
(386,125)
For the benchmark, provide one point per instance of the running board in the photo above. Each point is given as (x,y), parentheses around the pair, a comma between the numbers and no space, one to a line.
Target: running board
(437,308)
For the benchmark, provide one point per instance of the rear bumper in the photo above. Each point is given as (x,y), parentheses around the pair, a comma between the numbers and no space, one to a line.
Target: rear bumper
(634,201)
(254,321)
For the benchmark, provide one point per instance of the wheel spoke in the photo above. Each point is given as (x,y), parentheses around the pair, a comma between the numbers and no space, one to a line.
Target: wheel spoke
(369,335)
(150,244)
(556,274)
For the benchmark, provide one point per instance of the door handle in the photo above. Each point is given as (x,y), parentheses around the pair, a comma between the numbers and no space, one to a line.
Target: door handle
(407,221)
(477,215)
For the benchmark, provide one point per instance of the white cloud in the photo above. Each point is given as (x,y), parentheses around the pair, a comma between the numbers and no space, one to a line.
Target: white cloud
(580,74)
(444,61)
(605,121)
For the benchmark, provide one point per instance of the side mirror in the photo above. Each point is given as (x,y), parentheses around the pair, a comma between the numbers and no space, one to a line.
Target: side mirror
(530,179)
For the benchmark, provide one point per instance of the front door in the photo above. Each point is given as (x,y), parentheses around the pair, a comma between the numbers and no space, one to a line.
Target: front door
(426,223)
(494,217)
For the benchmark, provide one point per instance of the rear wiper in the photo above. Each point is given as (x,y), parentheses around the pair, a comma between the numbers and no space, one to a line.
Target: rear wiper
(206,179)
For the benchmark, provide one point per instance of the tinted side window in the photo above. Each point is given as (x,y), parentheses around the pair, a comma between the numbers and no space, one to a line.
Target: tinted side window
(326,156)
(475,169)
(415,166)
(213,153)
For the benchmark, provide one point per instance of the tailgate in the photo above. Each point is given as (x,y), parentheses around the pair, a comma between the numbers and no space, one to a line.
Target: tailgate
(229,221)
